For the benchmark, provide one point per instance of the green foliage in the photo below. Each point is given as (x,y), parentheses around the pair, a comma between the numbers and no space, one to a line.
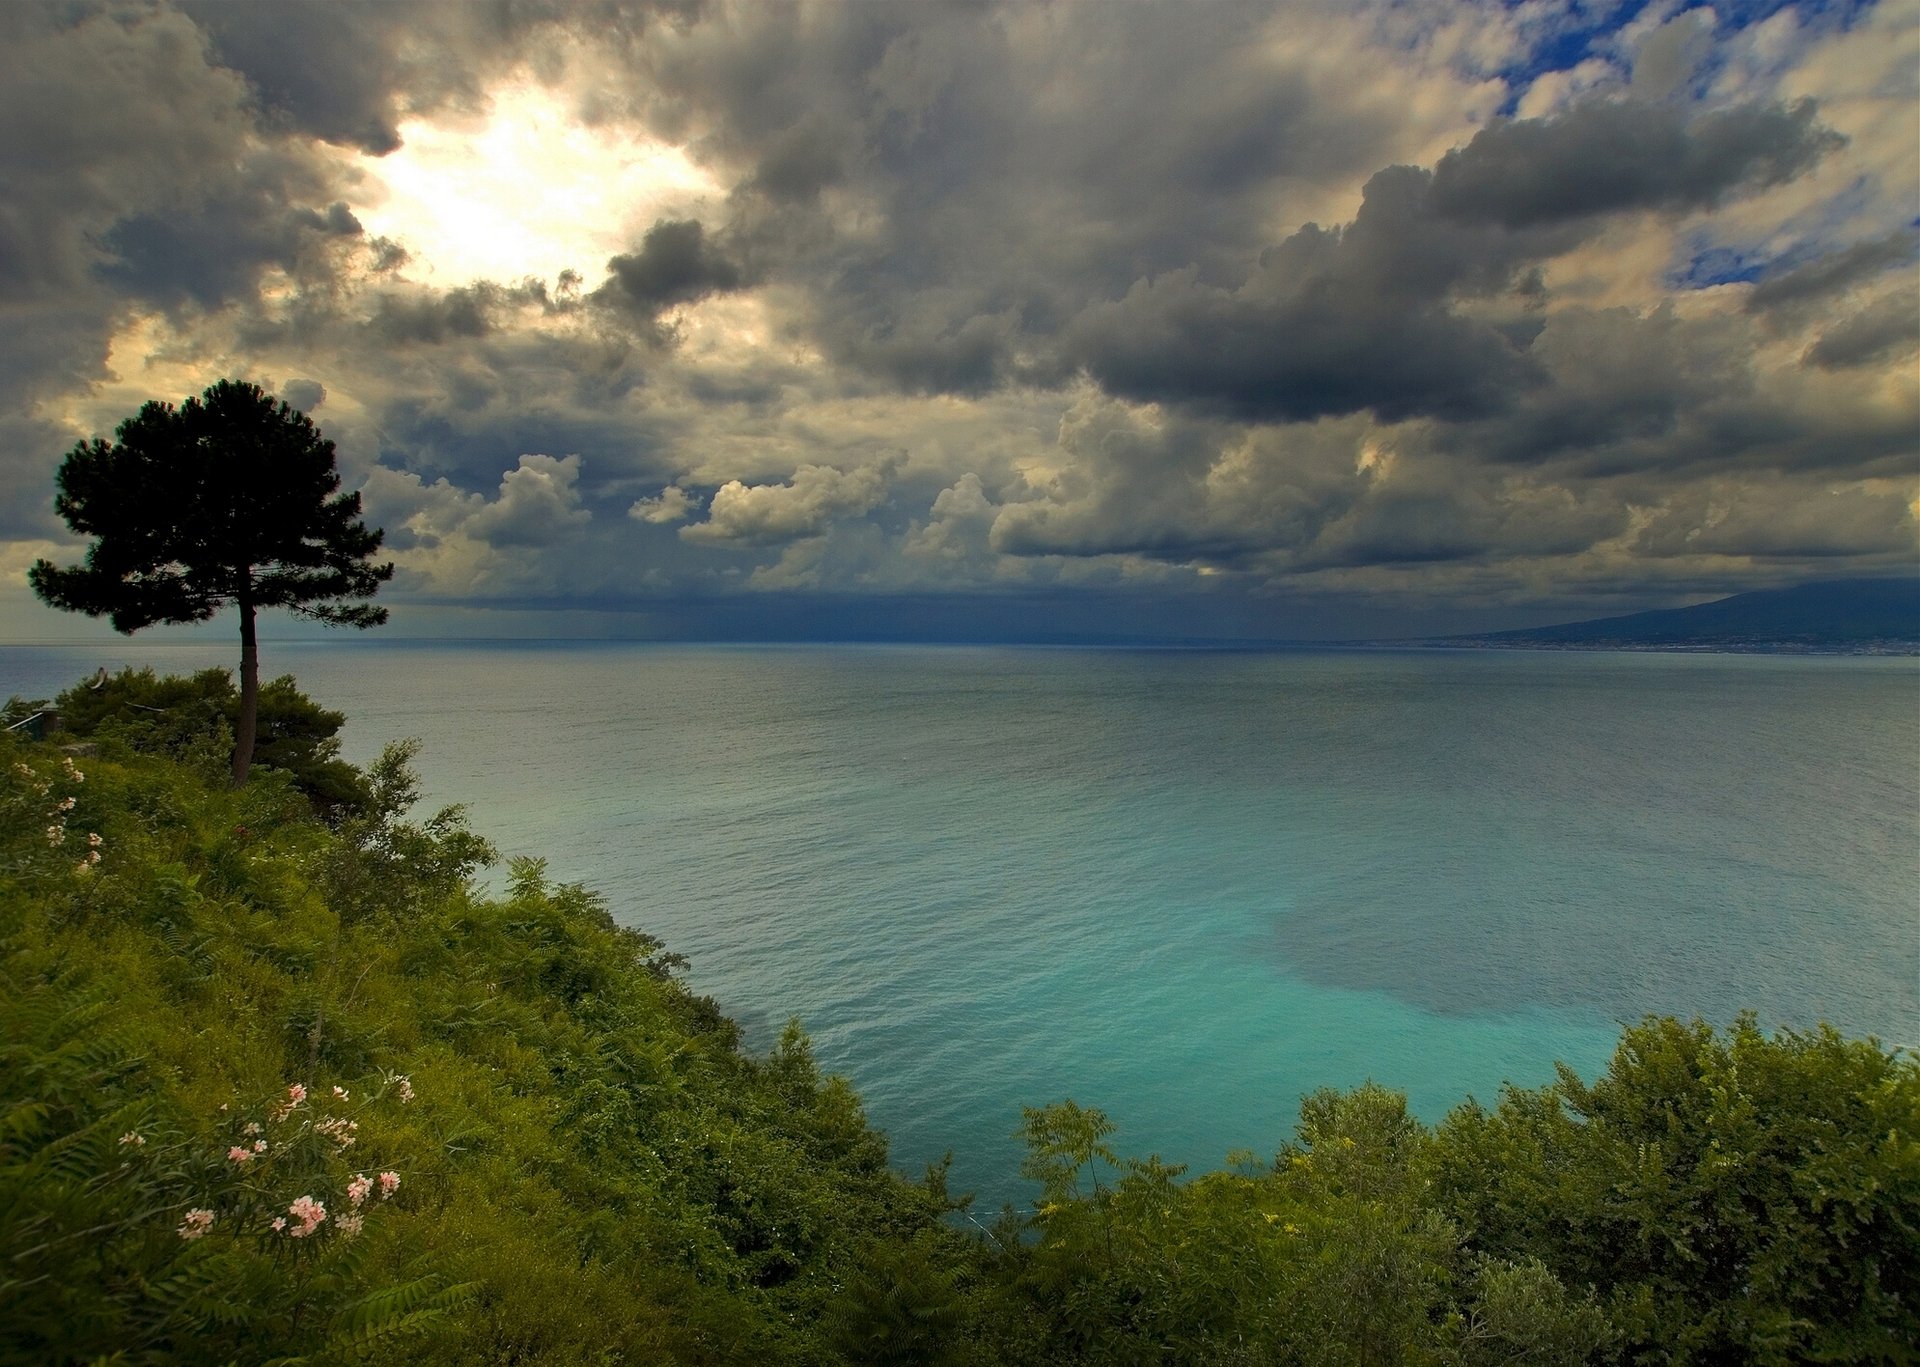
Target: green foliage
(903,1307)
(191,719)
(590,1169)
(1731,1197)
(1522,1314)
(230,498)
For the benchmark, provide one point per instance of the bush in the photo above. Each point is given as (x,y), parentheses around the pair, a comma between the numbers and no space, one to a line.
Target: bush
(192,719)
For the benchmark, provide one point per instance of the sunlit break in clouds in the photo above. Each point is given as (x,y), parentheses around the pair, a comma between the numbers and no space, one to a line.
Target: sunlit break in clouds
(524,189)
(1009,321)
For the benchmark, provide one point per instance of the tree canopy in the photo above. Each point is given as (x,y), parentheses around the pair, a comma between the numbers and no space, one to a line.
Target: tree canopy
(231,498)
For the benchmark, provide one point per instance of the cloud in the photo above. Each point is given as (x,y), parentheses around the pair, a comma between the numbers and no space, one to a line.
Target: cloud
(1833,273)
(350,72)
(1609,156)
(1375,316)
(977,298)
(216,251)
(454,542)
(539,502)
(1886,328)
(305,395)
(405,315)
(136,177)
(1332,321)
(676,264)
(770,514)
(955,535)
(673,504)
(800,163)
(1793,519)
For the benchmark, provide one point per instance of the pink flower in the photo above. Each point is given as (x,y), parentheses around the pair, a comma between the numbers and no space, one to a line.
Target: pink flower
(56,835)
(295,1095)
(196,1225)
(309,1212)
(259,1146)
(358,1189)
(236,1154)
(133,1137)
(389,1184)
(340,1093)
(66,804)
(251,1127)
(279,1223)
(93,837)
(350,1225)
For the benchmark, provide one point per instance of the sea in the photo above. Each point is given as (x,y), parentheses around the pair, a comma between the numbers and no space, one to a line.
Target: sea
(1183,886)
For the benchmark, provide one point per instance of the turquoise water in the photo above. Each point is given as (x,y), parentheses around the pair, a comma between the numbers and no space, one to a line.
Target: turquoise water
(1184,887)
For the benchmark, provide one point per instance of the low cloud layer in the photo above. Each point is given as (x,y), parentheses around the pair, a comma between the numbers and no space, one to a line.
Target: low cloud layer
(1429,309)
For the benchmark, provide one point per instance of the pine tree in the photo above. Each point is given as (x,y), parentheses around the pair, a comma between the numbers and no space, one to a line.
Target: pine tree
(231,498)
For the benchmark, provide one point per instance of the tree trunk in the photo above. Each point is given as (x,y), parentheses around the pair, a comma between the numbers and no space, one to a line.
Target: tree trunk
(249,696)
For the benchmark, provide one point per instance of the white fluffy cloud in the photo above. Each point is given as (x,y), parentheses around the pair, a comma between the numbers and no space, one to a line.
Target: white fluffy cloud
(449,540)
(538,503)
(772,514)
(673,504)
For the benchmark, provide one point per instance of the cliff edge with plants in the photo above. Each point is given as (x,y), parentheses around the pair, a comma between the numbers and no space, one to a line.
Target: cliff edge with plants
(281,1084)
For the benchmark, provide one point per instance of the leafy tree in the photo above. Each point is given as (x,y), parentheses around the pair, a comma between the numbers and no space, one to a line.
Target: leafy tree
(231,498)
(1730,1197)
(181,715)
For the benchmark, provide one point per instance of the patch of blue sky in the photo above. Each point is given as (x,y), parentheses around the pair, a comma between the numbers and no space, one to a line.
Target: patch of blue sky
(1834,224)
(1712,266)
(1585,30)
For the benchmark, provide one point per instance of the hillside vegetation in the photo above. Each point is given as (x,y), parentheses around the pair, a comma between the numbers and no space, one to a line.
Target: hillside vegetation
(280,1084)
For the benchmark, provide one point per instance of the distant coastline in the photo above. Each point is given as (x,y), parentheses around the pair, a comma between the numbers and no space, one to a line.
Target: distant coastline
(1899,647)
(1837,617)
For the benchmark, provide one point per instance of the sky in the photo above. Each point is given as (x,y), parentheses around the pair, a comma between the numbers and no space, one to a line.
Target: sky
(980,321)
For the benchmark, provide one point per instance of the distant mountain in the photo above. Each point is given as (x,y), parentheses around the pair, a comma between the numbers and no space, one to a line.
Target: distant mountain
(1839,614)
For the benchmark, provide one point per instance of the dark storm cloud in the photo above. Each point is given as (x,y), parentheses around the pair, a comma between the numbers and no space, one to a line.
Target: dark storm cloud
(330,70)
(214,252)
(1008,165)
(1619,377)
(1888,327)
(1828,275)
(677,264)
(405,317)
(135,177)
(1333,321)
(427,318)
(965,245)
(349,71)
(1367,317)
(1664,395)
(101,116)
(1610,156)
(799,164)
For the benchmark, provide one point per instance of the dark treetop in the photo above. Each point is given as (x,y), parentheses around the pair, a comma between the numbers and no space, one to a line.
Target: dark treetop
(231,498)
